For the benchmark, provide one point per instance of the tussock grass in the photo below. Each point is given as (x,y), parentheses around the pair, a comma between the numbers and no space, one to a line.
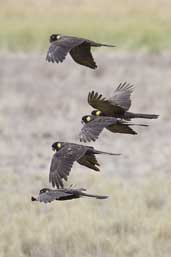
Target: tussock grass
(134,221)
(26,25)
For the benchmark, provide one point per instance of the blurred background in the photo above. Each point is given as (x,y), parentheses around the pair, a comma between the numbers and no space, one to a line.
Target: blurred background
(42,102)
(132,24)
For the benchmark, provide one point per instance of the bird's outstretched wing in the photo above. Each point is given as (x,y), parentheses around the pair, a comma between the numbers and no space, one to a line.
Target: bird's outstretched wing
(117,104)
(59,48)
(122,96)
(82,55)
(89,160)
(97,101)
(122,129)
(91,130)
(62,162)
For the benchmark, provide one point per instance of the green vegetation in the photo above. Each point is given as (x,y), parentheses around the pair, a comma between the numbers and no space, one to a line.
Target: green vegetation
(134,221)
(26,25)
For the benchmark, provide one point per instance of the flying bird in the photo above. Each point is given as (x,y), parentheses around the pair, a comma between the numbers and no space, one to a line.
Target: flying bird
(94,125)
(47,195)
(116,106)
(64,157)
(79,49)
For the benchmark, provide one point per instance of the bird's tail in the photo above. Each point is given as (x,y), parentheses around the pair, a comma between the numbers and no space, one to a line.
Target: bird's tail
(101,152)
(99,44)
(130,115)
(108,45)
(94,196)
(138,124)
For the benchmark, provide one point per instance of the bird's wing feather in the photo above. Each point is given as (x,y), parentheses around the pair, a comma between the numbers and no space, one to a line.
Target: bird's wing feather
(59,48)
(122,96)
(62,162)
(91,131)
(97,101)
(121,128)
(82,55)
(89,160)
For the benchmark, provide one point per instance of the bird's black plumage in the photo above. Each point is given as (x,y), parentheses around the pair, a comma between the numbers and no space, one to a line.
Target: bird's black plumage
(65,155)
(79,49)
(93,126)
(47,195)
(116,106)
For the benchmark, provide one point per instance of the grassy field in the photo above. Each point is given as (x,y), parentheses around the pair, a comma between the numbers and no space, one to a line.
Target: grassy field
(26,25)
(41,103)
(134,221)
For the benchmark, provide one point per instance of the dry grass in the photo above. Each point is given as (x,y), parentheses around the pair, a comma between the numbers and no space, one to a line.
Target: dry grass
(129,24)
(134,221)
(41,103)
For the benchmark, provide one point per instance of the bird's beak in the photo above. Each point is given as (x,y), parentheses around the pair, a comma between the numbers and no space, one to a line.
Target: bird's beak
(33,198)
(53,149)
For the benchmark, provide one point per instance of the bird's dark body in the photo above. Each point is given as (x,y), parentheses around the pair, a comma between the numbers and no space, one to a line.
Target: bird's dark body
(116,106)
(47,195)
(79,49)
(92,128)
(66,154)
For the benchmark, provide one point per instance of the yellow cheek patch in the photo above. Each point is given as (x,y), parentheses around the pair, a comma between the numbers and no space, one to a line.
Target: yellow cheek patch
(98,113)
(88,118)
(59,145)
(58,37)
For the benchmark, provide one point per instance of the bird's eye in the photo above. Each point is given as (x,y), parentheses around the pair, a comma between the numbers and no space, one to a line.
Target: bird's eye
(88,118)
(59,145)
(98,113)
(44,190)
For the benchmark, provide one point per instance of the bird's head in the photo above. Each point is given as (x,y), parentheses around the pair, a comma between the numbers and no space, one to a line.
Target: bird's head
(57,146)
(97,113)
(86,119)
(54,37)
(44,190)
